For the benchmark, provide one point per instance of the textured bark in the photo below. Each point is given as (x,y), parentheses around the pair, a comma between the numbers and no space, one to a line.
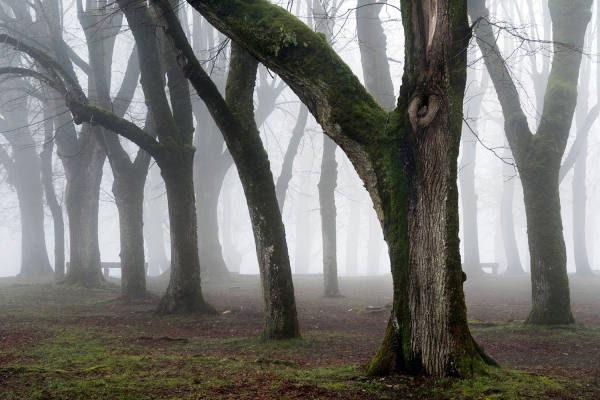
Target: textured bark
(406,158)
(538,156)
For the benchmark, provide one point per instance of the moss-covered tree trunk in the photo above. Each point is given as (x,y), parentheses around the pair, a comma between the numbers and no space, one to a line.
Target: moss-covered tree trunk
(251,160)
(406,158)
(538,156)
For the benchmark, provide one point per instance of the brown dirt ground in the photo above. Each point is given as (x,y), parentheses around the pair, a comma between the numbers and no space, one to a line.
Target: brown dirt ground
(490,301)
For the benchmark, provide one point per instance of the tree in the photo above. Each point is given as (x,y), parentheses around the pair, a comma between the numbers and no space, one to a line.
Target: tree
(406,158)
(538,156)
(23,168)
(234,115)
(475,94)
(329,173)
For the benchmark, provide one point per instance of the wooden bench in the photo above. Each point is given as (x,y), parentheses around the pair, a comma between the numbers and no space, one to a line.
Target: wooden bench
(493,266)
(107,265)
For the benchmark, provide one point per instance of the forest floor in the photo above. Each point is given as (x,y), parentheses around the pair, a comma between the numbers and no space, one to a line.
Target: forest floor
(59,342)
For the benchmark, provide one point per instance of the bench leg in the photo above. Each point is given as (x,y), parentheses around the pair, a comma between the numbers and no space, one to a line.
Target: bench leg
(106,272)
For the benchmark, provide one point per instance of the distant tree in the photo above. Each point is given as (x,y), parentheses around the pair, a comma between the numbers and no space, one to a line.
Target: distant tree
(24,174)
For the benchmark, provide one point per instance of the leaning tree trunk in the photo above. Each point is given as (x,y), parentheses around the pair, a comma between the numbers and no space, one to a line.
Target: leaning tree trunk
(252,162)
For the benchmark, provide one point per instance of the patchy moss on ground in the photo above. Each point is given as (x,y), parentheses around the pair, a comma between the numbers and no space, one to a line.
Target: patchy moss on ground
(61,342)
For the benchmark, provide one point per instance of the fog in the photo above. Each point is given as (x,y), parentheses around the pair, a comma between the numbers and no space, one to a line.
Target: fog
(354,209)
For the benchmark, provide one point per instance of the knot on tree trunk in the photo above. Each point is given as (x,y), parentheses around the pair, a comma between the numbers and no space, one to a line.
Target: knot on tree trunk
(422,110)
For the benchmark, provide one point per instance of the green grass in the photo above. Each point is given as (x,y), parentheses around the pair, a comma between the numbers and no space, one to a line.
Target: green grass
(71,355)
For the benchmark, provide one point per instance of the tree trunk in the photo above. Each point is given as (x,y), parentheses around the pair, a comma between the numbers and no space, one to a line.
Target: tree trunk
(352,236)
(582,264)
(538,156)
(208,188)
(378,81)
(252,162)
(511,250)
(129,197)
(374,245)
(24,174)
(326,186)
(153,225)
(471,262)
(183,294)
(82,201)
(550,284)
(51,199)
(232,256)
